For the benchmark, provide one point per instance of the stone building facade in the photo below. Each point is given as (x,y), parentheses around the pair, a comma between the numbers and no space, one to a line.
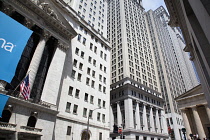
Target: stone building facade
(192,17)
(195,112)
(69,64)
(138,110)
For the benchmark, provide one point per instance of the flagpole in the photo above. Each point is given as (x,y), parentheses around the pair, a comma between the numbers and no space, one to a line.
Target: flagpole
(20,83)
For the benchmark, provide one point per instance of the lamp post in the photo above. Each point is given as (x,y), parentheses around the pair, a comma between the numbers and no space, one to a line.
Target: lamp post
(184,132)
(88,123)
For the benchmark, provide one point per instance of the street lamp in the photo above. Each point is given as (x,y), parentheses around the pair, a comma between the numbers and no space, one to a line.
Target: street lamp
(88,123)
(184,133)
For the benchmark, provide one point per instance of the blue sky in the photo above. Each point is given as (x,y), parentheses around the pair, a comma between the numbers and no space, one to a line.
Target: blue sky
(152,4)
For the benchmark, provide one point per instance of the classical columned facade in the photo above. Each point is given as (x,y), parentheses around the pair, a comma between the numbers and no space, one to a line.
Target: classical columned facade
(192,17)
(139,111)
(43,58)
(195,112)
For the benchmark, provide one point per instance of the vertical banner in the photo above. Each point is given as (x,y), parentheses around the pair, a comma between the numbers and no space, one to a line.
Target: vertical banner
(3,101)
(13,39)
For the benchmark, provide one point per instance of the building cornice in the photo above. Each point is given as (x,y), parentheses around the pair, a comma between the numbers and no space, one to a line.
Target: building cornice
(45,107)
(43,19)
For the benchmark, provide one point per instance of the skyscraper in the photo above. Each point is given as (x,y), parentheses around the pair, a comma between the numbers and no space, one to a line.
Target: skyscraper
(175,70)
(136,104)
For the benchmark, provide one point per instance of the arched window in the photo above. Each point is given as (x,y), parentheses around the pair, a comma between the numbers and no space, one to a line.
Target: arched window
(31,121)
(6,114)
(85,135)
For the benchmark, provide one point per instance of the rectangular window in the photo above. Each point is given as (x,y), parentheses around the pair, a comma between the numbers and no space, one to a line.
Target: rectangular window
(91,114)
(73,73)
(88,81)
(77,51)
(68,106)
(77,93)
(93,84)
(70,90)
(100,77)
(99,102)
(80,66)
(95,49)
(101,54)
(104,89)
(98,116)
(84,41)
(82,54)
(89,59)
(104,80)
(105,69)
(88,71)
(91,99)
(93,73)
(75,109)
(86,97)
(99,87)
(85,112)
(94,62)
(79,76)
(79,37)
(105,56)
(75,63)
(103,118)
(100,136)
(104,104)
(68,130)
(91,46)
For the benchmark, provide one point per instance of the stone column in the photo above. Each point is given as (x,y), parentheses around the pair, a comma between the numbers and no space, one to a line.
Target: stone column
(157,121)
(186,123)
(51,94)
(145,118)
(137,116)
(129,122)
(199,126)
(119,114)
(163,122)
(111,118)
(34,65)
(207,111)
(152,124)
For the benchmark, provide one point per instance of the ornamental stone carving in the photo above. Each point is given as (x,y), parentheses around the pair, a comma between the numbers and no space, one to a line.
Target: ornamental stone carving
(46,7)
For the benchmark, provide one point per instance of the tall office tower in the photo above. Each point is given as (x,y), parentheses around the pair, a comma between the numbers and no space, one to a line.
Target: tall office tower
(176,73)
(136,104)
(94,12)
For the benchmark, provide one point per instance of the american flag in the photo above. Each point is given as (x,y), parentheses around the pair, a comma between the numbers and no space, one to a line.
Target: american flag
(25,88)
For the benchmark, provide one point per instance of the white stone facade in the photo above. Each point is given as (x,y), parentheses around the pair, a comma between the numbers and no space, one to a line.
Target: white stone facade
(138,110)
(67,52)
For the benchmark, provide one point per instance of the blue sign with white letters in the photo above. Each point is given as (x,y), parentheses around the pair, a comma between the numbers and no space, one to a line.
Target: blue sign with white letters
(13,39)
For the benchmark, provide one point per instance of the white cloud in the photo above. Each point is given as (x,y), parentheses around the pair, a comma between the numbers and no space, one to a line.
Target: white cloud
(153,4)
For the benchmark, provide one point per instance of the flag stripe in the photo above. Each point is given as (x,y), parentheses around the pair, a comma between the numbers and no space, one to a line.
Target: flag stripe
(25,88)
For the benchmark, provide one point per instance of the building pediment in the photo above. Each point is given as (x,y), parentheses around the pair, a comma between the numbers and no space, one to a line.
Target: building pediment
(191,98)
(46,15)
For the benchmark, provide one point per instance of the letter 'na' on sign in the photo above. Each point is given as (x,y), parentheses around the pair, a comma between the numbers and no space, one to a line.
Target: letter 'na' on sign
(13,39)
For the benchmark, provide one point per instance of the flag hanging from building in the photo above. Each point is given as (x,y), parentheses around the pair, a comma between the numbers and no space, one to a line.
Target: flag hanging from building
(25,88)
(3,101)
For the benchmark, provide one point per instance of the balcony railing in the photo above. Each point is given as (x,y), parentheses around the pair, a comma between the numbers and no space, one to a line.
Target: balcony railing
(32,130)
(7,126)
